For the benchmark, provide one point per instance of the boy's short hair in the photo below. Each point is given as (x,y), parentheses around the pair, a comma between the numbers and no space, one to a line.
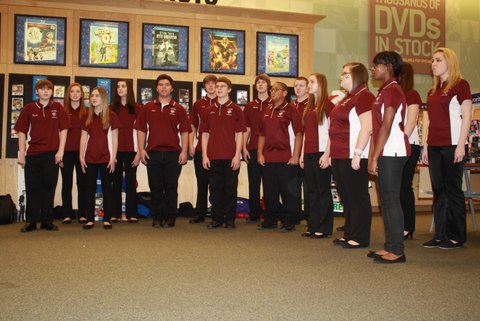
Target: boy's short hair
(264,77)
(225,80)
(44,83)
(165,76)
(209,78)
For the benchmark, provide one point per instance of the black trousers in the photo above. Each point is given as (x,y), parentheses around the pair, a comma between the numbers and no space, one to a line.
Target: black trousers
(352,187)
(201,174)
(254,183)
(124,164)
(282,180)
(223,184)
(41,174)
(163,172)
(319,189)
(71,161)
(106,180)
(448,198)
(407,196)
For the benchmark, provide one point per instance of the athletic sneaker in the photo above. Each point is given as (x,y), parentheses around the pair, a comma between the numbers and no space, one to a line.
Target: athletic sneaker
(449,245)
(433,243)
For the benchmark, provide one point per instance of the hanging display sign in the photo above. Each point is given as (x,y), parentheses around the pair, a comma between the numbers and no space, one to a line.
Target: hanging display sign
(412,28)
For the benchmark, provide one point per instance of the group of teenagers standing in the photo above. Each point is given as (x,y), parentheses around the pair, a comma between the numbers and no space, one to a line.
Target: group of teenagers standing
(284,144)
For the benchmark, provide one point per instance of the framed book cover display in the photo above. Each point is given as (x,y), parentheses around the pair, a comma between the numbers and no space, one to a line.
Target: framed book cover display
(223,51)
(277,54)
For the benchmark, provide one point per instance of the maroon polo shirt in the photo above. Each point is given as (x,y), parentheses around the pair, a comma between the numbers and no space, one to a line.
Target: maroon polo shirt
(279,125)
(99,139)
(126,133)
(75,132)
(197,117)
(445,114)
(316,135)
(163,125)
(222,123)
(42,124)
(300,106)
(253,113)
(345,122)
(391,94)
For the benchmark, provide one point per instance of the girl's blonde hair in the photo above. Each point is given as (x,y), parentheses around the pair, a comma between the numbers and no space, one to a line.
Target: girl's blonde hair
(105,110)
(453,67)
(318,104)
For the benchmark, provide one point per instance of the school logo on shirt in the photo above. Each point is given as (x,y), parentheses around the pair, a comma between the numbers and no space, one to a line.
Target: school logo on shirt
(229,112)
(172,111)
(54,114)
(280,113)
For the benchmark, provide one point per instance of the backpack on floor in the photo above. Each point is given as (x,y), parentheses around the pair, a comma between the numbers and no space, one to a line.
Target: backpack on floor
(8,211)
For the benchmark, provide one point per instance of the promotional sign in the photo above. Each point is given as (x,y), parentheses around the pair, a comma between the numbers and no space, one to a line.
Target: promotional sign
(412,28)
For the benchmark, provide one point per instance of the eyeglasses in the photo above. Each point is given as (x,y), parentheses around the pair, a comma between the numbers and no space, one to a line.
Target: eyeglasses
(276,89)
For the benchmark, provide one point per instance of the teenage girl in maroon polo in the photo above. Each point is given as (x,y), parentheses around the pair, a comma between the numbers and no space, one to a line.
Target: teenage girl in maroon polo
(200,110)
(126,109)
(407,196)
(75,109)
(45,123)
(449,106)
(279,144)
(350,130)
(222,143)
(315,159)
(253,113)
(389,151)
(98,152)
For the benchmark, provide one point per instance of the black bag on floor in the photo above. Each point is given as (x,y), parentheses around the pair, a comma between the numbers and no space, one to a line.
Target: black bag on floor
(8,211)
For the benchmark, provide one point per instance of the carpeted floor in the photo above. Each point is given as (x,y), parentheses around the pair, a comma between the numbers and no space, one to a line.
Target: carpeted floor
(135,272)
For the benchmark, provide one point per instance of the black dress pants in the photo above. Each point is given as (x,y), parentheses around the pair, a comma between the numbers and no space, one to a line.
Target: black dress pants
(223,184)
(106,180)
(201,174)
(71,161)
(163,172)
(352,187)
(281,180)
(448,198)
(41,174)
(124,164)
(319,189)
(254,183)
(407,196)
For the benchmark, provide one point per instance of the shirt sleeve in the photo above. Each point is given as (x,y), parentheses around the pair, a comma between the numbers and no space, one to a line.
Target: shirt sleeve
(184,121)
(464,92)
(296,121)
(23,121)
(194,115)
(240,121)
(141,122)
(115,121)
(392,98)
(413,98)
(364,103)
(64,121)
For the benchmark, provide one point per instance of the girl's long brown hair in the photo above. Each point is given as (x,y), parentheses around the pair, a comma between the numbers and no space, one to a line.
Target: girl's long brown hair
(68,103)
(117,101)
(105,110)
(318,104)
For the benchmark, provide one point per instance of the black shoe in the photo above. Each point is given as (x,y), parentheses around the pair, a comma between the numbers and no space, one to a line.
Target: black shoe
(49,227)
(197,219)
(230,225)
(318,235)
(133,220)
(287,228)
(347,245)
(169,222)
(107,226)
(449,245)
(88,226)
(341,228)
(157,223)
(339,241)
(400,259)
(307,234)
(214,225)
(263,226)
(433,243)
(28,227)
(373,254)
(82,220)
(67,220)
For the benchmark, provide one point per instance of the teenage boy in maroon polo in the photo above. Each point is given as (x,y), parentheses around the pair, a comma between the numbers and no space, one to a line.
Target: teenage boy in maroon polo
(301,93)
(253,112)
(46,122)
(279,143)
(198,114)
(222,139)
(164,121)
